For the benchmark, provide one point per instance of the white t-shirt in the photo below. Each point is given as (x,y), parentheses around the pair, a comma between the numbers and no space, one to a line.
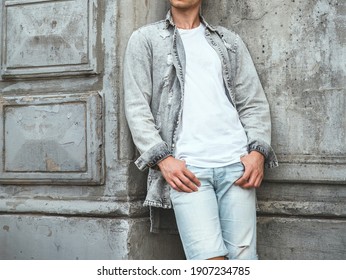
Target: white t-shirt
(211,134)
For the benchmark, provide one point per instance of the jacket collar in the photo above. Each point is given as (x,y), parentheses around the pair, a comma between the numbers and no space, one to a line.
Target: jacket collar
(170,22)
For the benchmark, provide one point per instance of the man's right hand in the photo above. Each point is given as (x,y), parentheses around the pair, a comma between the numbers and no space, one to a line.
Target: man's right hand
(178,176)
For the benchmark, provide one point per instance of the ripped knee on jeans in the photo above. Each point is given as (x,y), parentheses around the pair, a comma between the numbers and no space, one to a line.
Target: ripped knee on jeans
(243,252)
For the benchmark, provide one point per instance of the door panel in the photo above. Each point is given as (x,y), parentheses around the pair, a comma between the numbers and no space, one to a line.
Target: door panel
(48,38)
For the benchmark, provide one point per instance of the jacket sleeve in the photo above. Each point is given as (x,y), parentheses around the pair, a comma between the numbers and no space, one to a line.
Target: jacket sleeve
(252,105)
(137,98)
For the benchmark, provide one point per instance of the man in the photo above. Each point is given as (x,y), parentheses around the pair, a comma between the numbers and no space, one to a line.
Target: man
(200,120)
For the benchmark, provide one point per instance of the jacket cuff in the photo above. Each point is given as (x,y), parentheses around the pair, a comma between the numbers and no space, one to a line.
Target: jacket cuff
(153,156)
(267,151)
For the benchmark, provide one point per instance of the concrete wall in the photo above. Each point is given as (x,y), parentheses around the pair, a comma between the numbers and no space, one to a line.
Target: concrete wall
(68,186)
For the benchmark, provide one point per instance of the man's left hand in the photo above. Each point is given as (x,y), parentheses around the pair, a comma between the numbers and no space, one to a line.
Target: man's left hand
(254,170)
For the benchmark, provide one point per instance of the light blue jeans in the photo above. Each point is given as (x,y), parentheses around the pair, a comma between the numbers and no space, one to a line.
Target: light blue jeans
(220,218)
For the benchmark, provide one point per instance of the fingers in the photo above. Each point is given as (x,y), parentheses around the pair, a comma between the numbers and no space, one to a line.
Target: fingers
(184,185)
(254,172)
(192,177)
(251,182)
(178,176)
(251,178)
(181,183)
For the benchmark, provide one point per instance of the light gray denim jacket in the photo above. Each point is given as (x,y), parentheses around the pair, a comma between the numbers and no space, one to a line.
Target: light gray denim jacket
(154,71)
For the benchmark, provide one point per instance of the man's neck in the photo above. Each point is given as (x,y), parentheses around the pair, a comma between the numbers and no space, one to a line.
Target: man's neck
(186,19)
